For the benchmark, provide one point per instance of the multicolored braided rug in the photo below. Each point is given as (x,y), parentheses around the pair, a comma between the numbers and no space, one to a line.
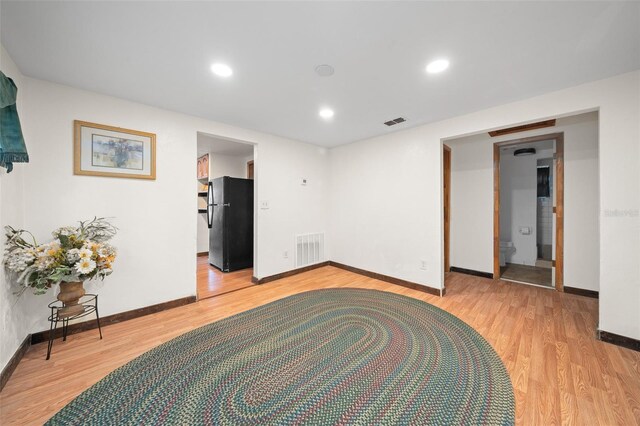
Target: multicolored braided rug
(336,356)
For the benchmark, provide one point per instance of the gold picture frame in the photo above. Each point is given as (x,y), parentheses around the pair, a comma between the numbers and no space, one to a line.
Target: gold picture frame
(101,150)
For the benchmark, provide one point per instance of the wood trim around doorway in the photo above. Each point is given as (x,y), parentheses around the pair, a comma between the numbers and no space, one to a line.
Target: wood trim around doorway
(558,208)
(496,211)
(446,180)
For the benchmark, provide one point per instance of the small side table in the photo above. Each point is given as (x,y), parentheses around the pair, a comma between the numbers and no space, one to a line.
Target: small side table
(90,303)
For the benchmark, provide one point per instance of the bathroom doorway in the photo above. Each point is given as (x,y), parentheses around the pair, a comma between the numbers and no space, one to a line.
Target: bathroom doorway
(529,209)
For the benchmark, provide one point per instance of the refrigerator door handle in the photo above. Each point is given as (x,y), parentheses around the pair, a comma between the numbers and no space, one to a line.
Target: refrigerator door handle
(210,205)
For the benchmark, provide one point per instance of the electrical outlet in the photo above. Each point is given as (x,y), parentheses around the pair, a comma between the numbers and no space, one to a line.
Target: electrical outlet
(264,205)
(285,254)
(423,264)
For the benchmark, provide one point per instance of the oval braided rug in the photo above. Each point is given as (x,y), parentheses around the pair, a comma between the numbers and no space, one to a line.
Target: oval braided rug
(336,356)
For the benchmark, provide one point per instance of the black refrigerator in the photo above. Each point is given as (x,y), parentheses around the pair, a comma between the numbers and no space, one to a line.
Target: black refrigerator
(230,221)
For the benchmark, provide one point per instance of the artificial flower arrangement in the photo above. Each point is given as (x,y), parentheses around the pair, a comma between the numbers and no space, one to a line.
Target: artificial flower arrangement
(75,254)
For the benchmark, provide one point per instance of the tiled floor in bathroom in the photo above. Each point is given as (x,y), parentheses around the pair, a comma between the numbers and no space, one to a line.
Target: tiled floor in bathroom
(527,274)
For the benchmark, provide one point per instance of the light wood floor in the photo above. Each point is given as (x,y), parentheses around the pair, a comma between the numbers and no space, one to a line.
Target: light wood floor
(212,282)
(560,373)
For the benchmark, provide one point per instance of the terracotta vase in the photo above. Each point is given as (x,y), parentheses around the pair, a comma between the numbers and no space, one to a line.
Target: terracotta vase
(70,294)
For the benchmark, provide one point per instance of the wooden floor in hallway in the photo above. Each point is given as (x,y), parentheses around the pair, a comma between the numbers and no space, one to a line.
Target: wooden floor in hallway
(213,282)
(560,373)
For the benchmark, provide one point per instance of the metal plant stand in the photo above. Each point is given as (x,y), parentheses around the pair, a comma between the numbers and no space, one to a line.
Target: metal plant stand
(90,303)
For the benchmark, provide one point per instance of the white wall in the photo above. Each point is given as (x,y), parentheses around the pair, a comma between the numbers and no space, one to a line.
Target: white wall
(518,204)
(472,201)
(157,237)
(227,165)
(385,206)
(387,195)
(582,200)
(470,229)
(15,312)
(219,165)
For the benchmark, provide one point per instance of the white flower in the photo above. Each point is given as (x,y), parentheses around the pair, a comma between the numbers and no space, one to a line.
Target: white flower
(85,266)
(66,231)
(44,262)
(73,255)
(85,253)
(49,249)
(19,260)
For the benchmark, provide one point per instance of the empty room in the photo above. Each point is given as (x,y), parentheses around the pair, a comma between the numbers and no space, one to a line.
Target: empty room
(389,212)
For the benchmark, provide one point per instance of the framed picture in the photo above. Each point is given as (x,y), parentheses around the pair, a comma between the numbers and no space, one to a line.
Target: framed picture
(203,167)
(101,150)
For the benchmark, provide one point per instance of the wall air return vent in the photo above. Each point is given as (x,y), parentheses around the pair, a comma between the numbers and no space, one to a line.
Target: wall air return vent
(309,249)
(395,121)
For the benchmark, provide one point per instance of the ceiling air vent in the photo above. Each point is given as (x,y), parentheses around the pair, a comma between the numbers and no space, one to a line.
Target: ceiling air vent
(395,121)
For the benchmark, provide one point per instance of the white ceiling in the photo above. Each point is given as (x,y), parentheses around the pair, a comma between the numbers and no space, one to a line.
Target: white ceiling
(159,53)
(214,145)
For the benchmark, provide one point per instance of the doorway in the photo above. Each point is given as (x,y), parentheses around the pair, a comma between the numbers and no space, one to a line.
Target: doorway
(529,210)
(226,216)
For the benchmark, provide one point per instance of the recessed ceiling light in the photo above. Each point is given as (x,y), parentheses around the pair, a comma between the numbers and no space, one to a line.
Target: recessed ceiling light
(221,70)
(437,66)
(326,113)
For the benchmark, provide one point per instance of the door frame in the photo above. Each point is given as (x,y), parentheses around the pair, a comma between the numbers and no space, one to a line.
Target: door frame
(250,169)
(558,209)
(446,183)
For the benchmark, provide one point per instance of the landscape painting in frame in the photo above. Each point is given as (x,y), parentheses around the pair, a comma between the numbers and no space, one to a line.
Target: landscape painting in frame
(102,150)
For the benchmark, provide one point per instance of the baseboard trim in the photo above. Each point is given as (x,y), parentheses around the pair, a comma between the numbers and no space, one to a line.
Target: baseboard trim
(471,272)
(581,292)
(288,273)
(387,278)
(43,336)
(8,369)
(202,253)
(616,339)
